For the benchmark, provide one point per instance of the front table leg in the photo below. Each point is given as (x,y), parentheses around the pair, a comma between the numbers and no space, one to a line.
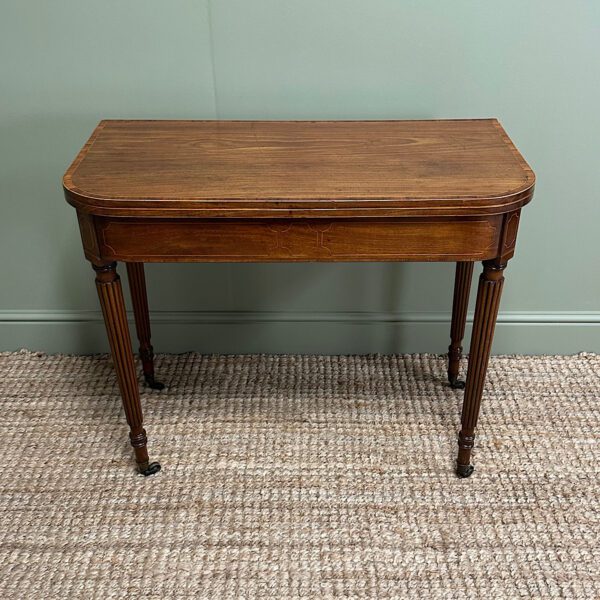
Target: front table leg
(486,311)
(115,319)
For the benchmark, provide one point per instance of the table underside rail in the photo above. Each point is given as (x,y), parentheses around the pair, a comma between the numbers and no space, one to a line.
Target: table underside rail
(255,240)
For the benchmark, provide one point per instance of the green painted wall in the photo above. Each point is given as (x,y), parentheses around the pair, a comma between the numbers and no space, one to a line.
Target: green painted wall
(535,65)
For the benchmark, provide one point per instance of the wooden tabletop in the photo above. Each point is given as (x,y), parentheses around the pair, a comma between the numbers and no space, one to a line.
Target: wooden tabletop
(298,168)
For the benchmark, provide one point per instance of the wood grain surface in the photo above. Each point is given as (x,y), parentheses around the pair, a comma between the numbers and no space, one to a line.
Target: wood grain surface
(298,168)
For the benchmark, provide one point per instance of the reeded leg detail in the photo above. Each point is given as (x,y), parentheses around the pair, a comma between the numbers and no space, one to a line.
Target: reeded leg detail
(139,299)
(460,303)
(489,291)
(110,294)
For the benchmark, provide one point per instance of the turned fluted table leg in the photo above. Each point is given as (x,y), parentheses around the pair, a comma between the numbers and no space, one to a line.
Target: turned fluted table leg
(139,299)
(110,293)
(462,287)
(486,311)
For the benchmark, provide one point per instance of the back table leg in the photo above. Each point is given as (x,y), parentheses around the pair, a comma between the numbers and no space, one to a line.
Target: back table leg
(139,299)
(115,319)
(462,287)
(489,291)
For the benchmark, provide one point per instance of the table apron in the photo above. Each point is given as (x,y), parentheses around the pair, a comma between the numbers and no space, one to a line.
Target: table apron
(256,240)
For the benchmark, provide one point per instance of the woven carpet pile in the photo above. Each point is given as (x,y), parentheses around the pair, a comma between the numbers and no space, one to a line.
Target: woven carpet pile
(299,477)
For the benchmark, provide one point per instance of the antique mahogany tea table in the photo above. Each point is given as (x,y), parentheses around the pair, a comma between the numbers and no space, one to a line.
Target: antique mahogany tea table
(258,191)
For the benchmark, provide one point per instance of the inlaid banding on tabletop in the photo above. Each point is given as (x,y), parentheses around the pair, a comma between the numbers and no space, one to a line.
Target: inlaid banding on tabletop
(220,168)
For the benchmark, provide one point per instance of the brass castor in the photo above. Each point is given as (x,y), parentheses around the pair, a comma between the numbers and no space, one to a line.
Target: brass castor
(152,383)
(456,383)
(149,469)
(464,471)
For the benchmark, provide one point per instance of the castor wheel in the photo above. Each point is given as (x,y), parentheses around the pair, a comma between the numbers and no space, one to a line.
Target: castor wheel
(457,384)
(152,383)
(150,469)
(464,471)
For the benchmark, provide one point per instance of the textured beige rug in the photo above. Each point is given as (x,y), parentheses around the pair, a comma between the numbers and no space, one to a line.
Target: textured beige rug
(299,477)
